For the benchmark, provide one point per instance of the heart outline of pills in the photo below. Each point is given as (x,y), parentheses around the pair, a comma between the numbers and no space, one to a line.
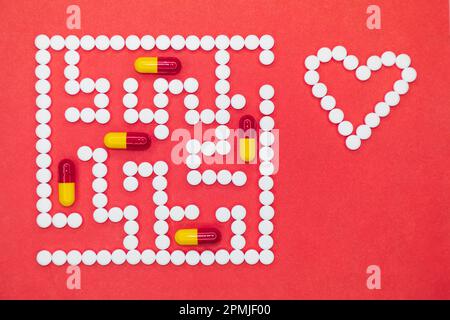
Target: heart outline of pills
(363,72)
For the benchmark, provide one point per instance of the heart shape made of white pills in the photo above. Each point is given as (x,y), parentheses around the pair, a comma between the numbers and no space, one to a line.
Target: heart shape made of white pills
(363,73)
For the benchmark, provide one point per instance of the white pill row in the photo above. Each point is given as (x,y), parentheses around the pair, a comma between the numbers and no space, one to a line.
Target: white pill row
(148,257)
(207,116)
(87,115)
(224,214)
(223,177)
(59,220)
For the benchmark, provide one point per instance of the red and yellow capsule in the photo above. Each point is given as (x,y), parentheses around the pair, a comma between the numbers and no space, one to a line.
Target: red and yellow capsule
(247,138)
(66,182)
(158,65)
(193,237)
(127,140)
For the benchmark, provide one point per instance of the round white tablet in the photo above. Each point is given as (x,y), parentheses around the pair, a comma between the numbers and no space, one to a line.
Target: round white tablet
(115,214)
(238,212)
(328,102)
(159,183)
(42,42)
(43,86)
(207,116)
(59,257)
(222,257)
(87,85)
(99,185)
(103,257)
(345,128)
(388,58)
(191,101)
(353,142)
(177,257)
(100,215)
(72,42)
(319,90)
(194,177)
(72,57)
(265,242)
(266,212)
(43,57)
(266,42)
(146,115)
(43,176)
(266,123)
(44,258)
(72,114)
(222,42)
(161,85)
(44,220)
(176,86)
(382,109)
(43,131)
(409,74)
(403,61)
(193,161)
(401,87)
(130,184)
(192,257)
(192,42)
(162,242)
(266,92)
(84,153)
(209,177)
(265,183)
(363,132)
(363,73)
(222,101)
(177,42)
(223,71)
(374,63)
(42,71)
(99,200)
(324,54)
(162,42)
(133,257)
(192,117)
(207,43)
(145,169)
(223,214)
(74,257)
(266,153)
(133,42)
(118,256)
(351,62)
(117,42)
(208,148)
(224,177)
(237,42)
(222,87)
(176,213)
(130,242)
(237,257)
(311,77)
(161,116)
(102,42)
(148,257)
(190,85)
(222,117)
(130,85)
(160,227)
(160,198)
(102,116)
(43,116)
(238,101)
(266,257)
(57,42)
(130,168)
(130,100)
(87,42)
(207,257)
(237,242)
(89,257)
(102,85)
(336,116)
(193,146)
(43,190)
(266,198)
(251,42)
(312,62)
(131,116)
(162,212)
(99,170)
(222,57)
(130,212)
(265,227)
(239,178)
(72,87)
(191,212)
(392,98)
(147,42)
(266,57)
(251,256)
(238,227)
(266,168)
(223,147)
(74,220)
(372,120)
(59,220)
(222,132)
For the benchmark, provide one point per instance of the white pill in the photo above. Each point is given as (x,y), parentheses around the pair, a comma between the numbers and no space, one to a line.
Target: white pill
(162,242)
(223,214)
(388,58)
(190,85)
(177,42)
(311,77)
(222,42)
(57,42)
(115,214)
(222,257)
(193,146)
(89,257)
(238,212)
(324,54)
(104,257)
(222,101)
(99,200)
(160,227)
(42,71)
(266,57)
(99,170)
(117,42)
(133,42)
(327,103)
(43,86)
(43,116)
(223,147)
(87,85)
(100,215)
(266,212)
(102,43)
(209,177)
(194,177)
(130,184)
(224,177)
(192,42)
(72,87)
(72,114)
(266,153)
(177,257)
(363,73)
(403,61)
(237,242)
(43,190)
(312,62)
(266,198)
(43,57)
(374,63)
(251,256)
(148,257)
(238,101)
(161,100)
(160,168)
(162,212)
(72,42)
(409,74)
(130,212)
(130,85)
(222,87)
(251,42)
(118,256)
(130,168)
(207,257)
(59,257)
(84,153)
(43,160)
(133,257)
(363,132)
(74,220)
(222,132)
(176,86)
(160,198)
(147,42)
(161,85)
(372,120)
(100,155)
(266,257)
(392,98)
(43,131)
(266,168)
(146,115)
(42,42)
(237,257)
(382,109)
(223,71)
(102,85)
(130,242)
(43,176)
(72,57)
(237,42)
(265,183)
(191,101)
(145,169)
(345,128)
(207,43)
(74,257)
(266,92)
(265,227)
(87,42)
(265,242)
(59,220)
(131,116)
(176,213)
(192,257)
(162,42)
(266,123)
(238,227)
(351,62)
(353,142)
(161,116)
(401,87)
(319,90)
(159,183)
(44,258)
(99,185)
(336,116)
(44,220)
(161,132)
(239,178)
(102,116)
(193,161)
(207,116)
(222,57)
(266,42)
(191,212)
(208,148)
(222,117)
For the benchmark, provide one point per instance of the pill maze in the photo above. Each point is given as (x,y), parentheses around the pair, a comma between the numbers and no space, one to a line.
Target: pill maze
(178,237)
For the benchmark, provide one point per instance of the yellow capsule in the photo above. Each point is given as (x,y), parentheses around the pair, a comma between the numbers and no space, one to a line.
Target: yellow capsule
(127,140)
(66,192)
(247,149)
(159,65)
(193,237)
(66,182)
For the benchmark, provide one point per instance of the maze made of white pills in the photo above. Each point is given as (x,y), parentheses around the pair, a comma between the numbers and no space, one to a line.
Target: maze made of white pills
(134,172)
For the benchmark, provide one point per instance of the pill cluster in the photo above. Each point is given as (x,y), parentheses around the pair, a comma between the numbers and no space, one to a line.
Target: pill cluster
(157,171)
(363,73)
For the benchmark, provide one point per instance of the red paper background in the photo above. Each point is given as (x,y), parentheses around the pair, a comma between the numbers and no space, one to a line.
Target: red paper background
(337,211)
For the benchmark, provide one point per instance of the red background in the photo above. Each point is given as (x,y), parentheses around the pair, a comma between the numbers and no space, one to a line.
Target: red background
(337,211)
